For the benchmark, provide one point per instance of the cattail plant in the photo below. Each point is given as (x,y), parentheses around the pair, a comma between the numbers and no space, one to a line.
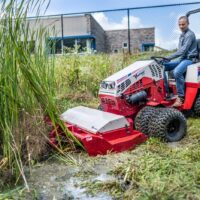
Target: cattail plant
(27,81)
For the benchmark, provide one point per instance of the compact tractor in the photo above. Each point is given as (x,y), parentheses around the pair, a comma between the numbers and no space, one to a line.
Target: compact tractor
(134,107)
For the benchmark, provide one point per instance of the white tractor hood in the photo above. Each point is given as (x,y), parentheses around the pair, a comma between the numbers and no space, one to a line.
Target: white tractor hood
(117,83)
(131,69)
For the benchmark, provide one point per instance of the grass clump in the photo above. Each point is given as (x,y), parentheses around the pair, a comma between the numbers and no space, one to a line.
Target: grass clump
(114,188)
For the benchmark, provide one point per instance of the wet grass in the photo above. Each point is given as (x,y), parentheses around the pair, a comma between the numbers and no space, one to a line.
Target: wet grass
(114,188)
(154,170)
(163,171)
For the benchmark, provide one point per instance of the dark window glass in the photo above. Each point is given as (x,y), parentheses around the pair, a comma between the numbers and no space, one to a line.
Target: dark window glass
(148,47)
(93,44)
(125,45)
(81,45)
(69,43)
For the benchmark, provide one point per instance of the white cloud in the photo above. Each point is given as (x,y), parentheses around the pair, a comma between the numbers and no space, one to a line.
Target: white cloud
(165,43)
(195,26)
(104,21)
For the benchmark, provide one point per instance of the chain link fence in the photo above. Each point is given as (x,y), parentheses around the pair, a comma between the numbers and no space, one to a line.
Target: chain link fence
(132,30)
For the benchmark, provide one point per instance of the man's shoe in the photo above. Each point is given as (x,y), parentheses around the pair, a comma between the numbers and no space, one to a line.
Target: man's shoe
(170,96)
(179,102)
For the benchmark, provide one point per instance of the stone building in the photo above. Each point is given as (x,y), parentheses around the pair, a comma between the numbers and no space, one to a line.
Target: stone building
(83,33)
(142,39)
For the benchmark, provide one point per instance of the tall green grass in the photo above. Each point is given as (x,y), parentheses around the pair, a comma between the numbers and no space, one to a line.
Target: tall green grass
(27,82)
(17,71)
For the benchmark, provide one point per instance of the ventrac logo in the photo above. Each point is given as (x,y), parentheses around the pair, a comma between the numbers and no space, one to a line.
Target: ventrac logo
(128,75)
(138,74)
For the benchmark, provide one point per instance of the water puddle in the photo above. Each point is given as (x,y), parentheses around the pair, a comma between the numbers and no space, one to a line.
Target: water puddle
(60,181)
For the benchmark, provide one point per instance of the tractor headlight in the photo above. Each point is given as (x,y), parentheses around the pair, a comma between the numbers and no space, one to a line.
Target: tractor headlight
(103,85)
(111,85)
(107,85)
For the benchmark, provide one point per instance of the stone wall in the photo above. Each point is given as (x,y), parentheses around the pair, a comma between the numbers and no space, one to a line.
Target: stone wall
(116,38)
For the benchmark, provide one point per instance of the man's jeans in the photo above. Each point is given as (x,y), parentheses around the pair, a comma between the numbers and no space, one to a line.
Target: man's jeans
(179,67)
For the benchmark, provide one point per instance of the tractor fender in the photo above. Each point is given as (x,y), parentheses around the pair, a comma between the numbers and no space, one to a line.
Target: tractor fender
(190,95)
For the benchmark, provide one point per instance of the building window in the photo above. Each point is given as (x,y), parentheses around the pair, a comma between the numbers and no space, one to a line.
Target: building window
(116,51)
(81,45)
(69,45)
(92,44)
(148,47)
(77,44)
(125,45)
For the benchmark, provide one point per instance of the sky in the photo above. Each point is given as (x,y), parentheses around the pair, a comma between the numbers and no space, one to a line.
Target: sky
(163,19)
(70,6)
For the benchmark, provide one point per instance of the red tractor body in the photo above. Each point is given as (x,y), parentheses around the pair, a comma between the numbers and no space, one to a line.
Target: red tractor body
(122,96)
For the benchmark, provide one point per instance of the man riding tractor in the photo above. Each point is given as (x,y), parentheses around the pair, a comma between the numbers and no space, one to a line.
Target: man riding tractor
(187,54)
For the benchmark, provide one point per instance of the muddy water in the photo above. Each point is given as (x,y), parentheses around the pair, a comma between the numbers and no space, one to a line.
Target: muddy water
(58,181)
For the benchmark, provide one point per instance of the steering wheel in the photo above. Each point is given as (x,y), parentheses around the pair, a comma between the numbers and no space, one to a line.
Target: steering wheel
(160,59)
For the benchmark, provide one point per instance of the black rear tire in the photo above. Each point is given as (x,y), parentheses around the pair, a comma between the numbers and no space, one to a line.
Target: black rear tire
(197,106)
(169,124)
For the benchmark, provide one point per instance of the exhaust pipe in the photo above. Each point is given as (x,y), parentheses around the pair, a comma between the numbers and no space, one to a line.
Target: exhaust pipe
(137,97)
